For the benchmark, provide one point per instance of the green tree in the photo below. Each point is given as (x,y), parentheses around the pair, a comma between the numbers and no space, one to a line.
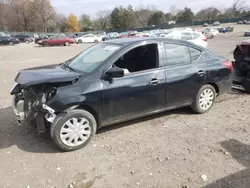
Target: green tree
(157,18)
(122,18)
(85,23)
(72,24)
(185,15)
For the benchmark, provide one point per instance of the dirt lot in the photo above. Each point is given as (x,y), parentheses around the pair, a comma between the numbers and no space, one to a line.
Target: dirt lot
(176,149)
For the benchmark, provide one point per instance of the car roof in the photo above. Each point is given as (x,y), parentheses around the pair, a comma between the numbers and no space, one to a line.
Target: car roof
(131,41)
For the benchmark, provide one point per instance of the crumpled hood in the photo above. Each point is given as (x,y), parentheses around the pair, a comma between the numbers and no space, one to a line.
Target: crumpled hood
(45,74)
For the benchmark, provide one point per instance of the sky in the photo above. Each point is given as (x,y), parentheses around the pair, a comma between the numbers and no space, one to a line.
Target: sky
(91,7)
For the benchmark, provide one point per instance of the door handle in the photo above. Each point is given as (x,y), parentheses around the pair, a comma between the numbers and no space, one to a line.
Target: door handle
(154,81)
(201,73)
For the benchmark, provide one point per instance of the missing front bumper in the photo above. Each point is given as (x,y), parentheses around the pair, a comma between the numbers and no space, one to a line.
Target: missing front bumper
(36,118)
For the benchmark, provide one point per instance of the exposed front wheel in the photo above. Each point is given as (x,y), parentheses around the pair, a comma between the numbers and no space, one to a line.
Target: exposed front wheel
(79,41)
(11,43)
(204,99)
(73,130)
(66,44)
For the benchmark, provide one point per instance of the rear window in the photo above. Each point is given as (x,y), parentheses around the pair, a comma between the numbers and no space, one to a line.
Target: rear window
(186,36)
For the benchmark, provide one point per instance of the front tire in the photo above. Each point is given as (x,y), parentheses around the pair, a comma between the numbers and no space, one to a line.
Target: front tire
(204,99)
(73,130)
(79,41)
(46,44)
(11,43)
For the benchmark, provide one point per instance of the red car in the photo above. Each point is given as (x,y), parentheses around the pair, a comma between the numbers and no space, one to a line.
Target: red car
(56,41)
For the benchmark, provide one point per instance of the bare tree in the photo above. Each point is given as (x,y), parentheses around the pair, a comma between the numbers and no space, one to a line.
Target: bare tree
(24,12)
(44,11)
(3,13)
(103,18)
(143,14)
(60,22)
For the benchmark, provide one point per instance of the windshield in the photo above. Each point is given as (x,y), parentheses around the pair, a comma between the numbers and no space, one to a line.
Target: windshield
(89,59)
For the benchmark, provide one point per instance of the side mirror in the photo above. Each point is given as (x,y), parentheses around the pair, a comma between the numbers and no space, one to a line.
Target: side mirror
(115,72)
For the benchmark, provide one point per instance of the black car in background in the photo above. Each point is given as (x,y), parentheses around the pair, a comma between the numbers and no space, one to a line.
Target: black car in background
(7,40)
(24,38)
(116,81)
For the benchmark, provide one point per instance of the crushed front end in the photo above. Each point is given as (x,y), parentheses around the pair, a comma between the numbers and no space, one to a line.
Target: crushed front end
(29,105)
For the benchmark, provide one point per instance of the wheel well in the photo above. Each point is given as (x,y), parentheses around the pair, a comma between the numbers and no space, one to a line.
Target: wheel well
(215,87)
(90,110)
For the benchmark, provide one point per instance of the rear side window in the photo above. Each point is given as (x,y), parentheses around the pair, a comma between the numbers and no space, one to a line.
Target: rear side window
(195,54)
(177,54)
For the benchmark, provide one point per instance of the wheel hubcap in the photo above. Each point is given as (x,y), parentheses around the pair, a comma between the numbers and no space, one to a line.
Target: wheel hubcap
(75,131)
(206,99)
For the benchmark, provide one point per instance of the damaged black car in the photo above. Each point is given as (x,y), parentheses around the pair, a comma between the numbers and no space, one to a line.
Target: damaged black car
(116,81)
(241,77)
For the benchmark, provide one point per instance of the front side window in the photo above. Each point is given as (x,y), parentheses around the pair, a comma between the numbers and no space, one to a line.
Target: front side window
(139,59)
(177,54)
(91,58)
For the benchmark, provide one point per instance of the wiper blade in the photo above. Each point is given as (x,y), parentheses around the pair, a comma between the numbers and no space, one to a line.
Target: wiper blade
(65,65)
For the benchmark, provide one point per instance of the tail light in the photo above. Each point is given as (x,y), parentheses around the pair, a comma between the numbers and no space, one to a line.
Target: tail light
(229,65)
(205,39)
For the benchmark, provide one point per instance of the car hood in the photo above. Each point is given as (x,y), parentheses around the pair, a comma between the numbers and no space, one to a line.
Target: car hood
(45,74)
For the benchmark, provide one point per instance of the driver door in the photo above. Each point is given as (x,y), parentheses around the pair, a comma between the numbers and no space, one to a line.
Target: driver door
(134,94)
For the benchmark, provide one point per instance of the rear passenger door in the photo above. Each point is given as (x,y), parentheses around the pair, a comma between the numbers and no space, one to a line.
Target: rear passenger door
(185,73)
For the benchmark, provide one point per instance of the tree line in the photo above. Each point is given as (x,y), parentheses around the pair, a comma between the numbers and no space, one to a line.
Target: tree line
(41,16)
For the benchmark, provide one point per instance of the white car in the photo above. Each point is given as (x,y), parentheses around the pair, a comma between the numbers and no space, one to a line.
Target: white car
(89,38)
(192,36)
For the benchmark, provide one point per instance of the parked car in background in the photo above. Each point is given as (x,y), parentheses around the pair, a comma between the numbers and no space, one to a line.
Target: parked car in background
(210,32)
(244,21)
(24,38)
(100,86)
(247,34)
(216,23)
(89,38)
(241,65)
(205,25)
(56,40)
(240,22)
(6,40)
(188,35)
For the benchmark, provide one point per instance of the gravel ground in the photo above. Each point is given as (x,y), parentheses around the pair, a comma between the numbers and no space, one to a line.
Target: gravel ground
(176,149)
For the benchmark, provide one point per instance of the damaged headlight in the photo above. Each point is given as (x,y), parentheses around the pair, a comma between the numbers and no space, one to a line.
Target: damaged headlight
(51,93)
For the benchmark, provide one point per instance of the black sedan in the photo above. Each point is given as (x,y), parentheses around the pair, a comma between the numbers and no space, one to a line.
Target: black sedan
(116,81)
(6,40)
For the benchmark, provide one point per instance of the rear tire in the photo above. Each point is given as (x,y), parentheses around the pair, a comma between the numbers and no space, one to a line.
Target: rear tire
(204,99)
(11,43)
(27,42)
(96,41)
(65,130)
(246,85)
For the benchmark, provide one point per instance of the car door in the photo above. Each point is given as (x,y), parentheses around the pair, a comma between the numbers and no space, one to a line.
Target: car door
(185,73)
(134,94)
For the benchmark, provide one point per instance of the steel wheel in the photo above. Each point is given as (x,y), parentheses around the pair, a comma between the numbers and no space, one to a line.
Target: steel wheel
(206,99)
(75,131)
